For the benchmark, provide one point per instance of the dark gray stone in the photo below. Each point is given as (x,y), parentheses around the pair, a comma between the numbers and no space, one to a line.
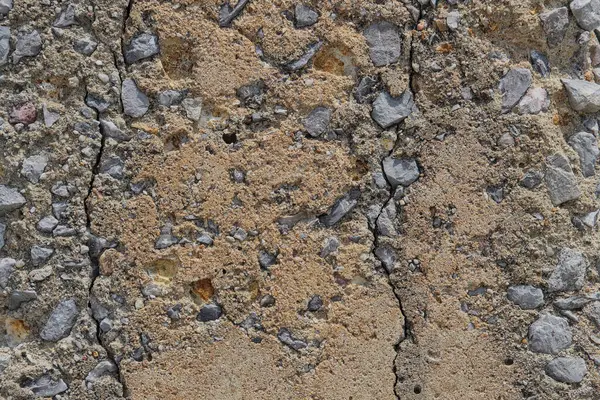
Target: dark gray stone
(305,58)
(40,255)
(586,13)
(317,122)
(340,208)
(586,146)
(10,200)
(4,43)
(252,95)
(5,7)
(105,367)
(513,87)
(7,267)
(400,171)
(267,301)
(569,273)
(305,16)
(496,193)
(63,190)
(171,97)
(140,47)
(555,23)
(526,296)
(135,102)
(209,312)
(227,13)
(385,221)
(572,303)
(567,369)
(19,297)
(584,96)
(96,102)
(166,239)
(315,303)
(330,245)
(385,44)
(63,231)
(112,166)
(286,337)
(549,334)
(532,179)
(28,44)
(33,167)
(560,180)
(66,17)
(366,89)
(205,239)
(2,231)
(389,111)
(61,321)
(540,63)
(266,259)
(85,46)
(112,131)
(46,386)
(387,256)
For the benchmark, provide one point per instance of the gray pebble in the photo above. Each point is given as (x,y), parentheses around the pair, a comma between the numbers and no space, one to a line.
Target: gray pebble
(267,301)
(330,245)
(586,146)
(571,303)
(135,102)
(549,334)
(266,259)
(209,312)
(19,297)
(526,296)
(28,44)
(317,122)
(496,193)
(252,95)
(569,273)
(104,367)
(4,44)
(555,23)
(560,180)
(96,102)
(583,96)
(385,221)
(40,255)
(63,231)
(10,200)
(452,20)
(340,208)
(2,232)
(586,13)
(193,108)
(5,7)
(305,58)
(388,111)
(536,100)
(166,239)
(387,256)
(567,369)
(205,239)
(286,337)
(174,312)
(112,166)
(592,311)
(513,86)
(33,167)
(85,46)
(240,234)
(7,267)
(532,179)
(540,63)
(140,47)
(400,171)
(238,176)
(171,97)
(315,303)
(61,321)
(305,16)
(50,117)
(66,17)
(46,386)
(106,325)
(385,44)
(60,209)
(366,89)
(111,130)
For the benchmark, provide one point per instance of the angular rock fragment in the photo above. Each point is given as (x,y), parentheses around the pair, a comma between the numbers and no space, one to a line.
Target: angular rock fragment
(10,200)
(266,259)
(105,367)
(28,44)
(7,267)
(536,100)
(586,146)
(571,303)
(286,337)
(40,255)
(340,208)
(140,47)
(227,14)
(171,97)
(315,303)
(526,296)
(452,20)
(555,23)
(586,13)
(569,273)
(567,369)
(305,58)
(400,171)
(561,183)
(60,322)
(366,89)
(2,231)
(330,245)
(387,256)
(111,130)
(46,386)
(112,166)
(66,17)
(532,179)
(96,102)
(4,44)
(267,301)
(540,63)
(62,190)
(135,102)
(193,108)
(63,231)
(513,87)
(317,122)
(19,297)
(209,312)
(85,46)
(385,221)
(166,239)
(389,111)
(252,95)
(50,117)
(5,7)
(583,96)
(385,44)
(24,114)
(305,16)
(549,334)
(33,167)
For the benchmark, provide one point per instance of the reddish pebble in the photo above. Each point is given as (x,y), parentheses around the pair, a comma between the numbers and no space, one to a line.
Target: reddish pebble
(24,114)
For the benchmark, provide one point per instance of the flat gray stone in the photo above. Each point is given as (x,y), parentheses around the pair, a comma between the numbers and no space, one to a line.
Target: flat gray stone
(400,171)
(586,146)
(584,96)
(40,255)
(535,101)
(340,208)
(4,44)
(285,336)
(85,46)
(330,245)
(572,303)
(549,334)
(305,15)
(385,221)
(513,87)
(560,180)
(46,386)
(193,108)
(567,369)
(105,367)
(452,20)
(586,13)
(387,256)
(135,102)
(317,122)
(526,296)
(7,267)
(140,47)
(66,17)
(209,312)
(50,117)
(385,44)
(33,167)
(61,321)
(10,200)
(388,111)
(592,311)
(532,179)
(171,97)
(555,23)
(569,273)
(266,258)
(305,58)
(19,297)
(111,130)
(5,6)
(2,231)
(28,44)
(112,166)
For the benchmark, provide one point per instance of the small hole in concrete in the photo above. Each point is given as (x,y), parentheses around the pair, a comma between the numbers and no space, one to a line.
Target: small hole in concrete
(509,361)
(417,389)
(230,138)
